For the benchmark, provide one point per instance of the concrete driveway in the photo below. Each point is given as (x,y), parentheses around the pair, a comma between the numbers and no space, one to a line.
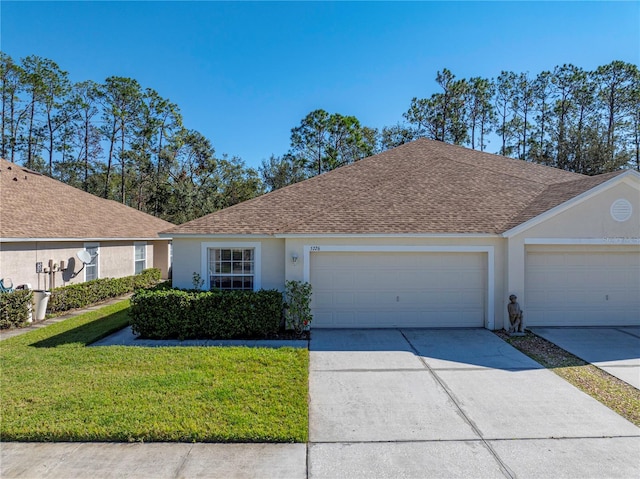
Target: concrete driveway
(453,403)
(615,350)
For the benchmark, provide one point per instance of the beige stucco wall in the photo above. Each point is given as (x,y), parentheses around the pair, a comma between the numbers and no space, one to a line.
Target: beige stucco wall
(587,221)
(18,262)
(158,256)
(115,259)
(188,258)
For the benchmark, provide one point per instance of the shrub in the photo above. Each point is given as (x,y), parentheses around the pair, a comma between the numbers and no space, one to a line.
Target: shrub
(298,307)
(91,292)
(14,308)
(173,313)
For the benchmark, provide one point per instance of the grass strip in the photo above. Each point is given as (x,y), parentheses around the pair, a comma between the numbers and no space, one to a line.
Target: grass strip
(55,388)
(614,393)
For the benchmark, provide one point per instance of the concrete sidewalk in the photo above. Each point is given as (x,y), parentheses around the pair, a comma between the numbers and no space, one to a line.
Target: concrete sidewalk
(152,461)
(615,350)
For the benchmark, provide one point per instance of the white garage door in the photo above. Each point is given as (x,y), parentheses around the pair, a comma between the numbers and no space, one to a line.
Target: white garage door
(582,289)
(382,290)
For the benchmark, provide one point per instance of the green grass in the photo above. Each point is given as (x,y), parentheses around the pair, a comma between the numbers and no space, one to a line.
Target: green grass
(55,388)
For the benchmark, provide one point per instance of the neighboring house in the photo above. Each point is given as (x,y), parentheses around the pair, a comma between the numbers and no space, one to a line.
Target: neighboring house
(433,235)
(44,221)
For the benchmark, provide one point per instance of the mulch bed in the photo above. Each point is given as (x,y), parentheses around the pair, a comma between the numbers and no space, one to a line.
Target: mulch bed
(290,335)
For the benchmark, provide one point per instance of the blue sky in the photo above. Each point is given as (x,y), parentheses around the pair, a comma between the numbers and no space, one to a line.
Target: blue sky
(245,73)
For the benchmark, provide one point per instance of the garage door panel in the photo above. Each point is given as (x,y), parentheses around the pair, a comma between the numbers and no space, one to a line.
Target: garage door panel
(451,300)
(578,276)
(345,279)
(582,289)
(417,278)
(322,297)
(398,289)
(448,280)
(418,299)
(365,299)
(344,298)
(537,277)
(476,276)
(377,299)
(472,297)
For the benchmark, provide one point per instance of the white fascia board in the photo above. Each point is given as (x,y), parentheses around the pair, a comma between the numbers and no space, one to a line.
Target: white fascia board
(583,241)
(214,236)
(75,240)
(389,235)
(489,250)
(629,177)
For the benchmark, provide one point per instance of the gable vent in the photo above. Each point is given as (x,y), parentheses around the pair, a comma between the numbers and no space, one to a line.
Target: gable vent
(621,210)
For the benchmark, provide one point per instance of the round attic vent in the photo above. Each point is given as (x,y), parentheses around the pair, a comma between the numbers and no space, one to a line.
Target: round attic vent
(621,210)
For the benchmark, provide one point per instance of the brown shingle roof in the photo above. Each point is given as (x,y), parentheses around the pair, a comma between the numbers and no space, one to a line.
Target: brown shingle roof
(36,206)
(558,193)
(421,187)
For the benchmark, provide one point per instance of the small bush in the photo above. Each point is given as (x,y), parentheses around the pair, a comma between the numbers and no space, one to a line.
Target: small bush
(298,306)
(91,292)
(165,314)
(14,308)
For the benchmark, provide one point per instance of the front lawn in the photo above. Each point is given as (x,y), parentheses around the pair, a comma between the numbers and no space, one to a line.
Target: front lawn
(55,388)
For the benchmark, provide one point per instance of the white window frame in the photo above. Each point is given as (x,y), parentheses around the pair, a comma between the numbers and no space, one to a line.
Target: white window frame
(96,258)
(257,260)
(135,260)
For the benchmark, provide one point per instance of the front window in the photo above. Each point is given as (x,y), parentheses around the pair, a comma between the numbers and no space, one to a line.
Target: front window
(140,260)
(231,268)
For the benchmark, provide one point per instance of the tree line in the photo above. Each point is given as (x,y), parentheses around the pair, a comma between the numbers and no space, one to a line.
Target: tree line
(116,140)
(582,121)
(121,141)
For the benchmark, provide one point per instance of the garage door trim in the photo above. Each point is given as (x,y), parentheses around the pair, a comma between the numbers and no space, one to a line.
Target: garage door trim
(610,241)
(308,250)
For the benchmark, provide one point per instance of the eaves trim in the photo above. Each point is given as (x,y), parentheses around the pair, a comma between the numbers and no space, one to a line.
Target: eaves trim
(388,235)
(68,240)
(216,236)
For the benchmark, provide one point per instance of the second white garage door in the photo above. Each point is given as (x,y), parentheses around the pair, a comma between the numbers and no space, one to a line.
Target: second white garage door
(582,289)
(382,290)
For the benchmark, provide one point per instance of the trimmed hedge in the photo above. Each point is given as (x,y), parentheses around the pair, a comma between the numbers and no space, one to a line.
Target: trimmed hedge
(180,314)
(14,308)
(91,292)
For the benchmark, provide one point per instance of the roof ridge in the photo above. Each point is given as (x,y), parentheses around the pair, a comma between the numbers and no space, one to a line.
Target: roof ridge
(609,174)
(517,176)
